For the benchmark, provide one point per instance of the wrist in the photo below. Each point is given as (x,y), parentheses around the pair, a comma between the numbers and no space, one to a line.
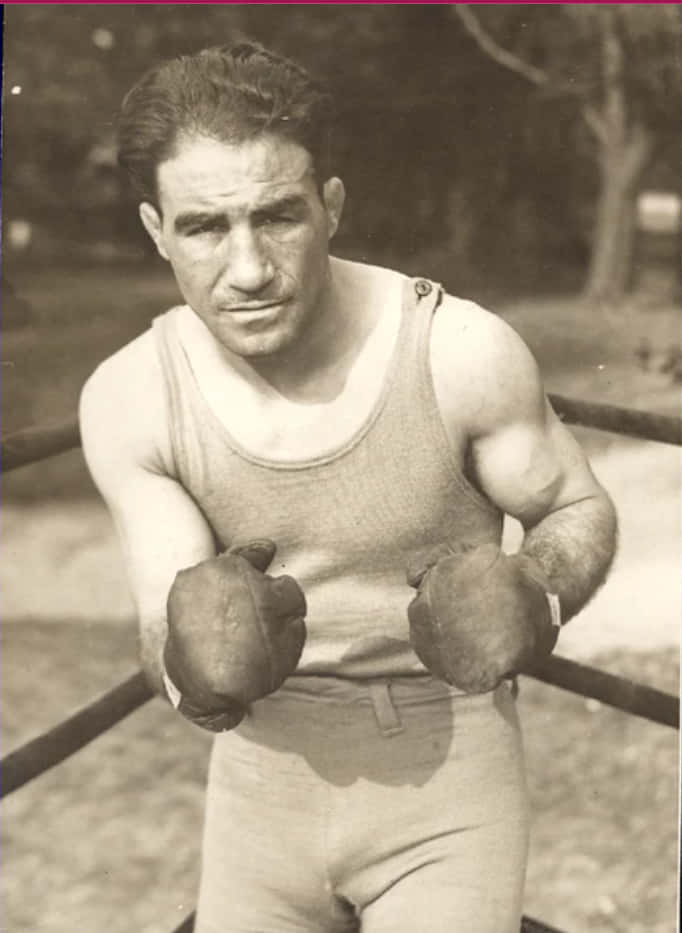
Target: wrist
(215,717)
(547,623)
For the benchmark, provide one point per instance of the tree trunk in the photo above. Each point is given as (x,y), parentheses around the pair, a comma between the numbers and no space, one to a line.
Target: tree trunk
(621,170)
(625,147)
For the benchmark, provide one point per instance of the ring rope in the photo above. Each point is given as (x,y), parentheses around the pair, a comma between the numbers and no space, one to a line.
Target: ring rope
(528,925)
(52,747)
(58,743)
(41,441)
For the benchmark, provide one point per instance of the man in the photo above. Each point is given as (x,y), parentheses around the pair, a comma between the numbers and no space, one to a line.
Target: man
(361,435)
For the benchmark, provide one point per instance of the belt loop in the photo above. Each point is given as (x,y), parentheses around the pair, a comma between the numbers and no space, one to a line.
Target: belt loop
(384,709)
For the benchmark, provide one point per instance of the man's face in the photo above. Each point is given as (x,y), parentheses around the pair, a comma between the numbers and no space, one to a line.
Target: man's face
(246,232)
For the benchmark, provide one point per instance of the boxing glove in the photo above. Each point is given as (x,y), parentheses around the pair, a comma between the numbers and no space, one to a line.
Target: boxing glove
(234,634)
(479,615)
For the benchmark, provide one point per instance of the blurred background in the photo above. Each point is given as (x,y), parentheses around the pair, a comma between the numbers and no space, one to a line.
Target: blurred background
(527,156)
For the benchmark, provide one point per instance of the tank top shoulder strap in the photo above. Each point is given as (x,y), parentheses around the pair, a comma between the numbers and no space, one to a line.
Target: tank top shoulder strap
(420,299)
(413,411)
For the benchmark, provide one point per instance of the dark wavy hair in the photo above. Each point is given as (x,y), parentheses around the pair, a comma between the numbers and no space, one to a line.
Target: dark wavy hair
(230,93)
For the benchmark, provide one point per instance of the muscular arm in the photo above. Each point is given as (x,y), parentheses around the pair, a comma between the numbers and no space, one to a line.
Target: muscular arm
(523,459)
(538,474)
(161,529)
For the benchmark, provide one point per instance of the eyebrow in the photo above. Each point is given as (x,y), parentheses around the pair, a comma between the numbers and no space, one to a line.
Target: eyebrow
(281,205)
(189,219)
(185,221)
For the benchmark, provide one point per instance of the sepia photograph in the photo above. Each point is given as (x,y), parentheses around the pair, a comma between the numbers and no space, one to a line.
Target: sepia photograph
(341,508)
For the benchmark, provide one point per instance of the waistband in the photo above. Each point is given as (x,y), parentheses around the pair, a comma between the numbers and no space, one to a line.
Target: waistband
(408,689)
(385,695)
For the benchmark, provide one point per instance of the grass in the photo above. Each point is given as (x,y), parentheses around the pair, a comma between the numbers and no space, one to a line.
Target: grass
(605,791)
(108,842)
(592,352)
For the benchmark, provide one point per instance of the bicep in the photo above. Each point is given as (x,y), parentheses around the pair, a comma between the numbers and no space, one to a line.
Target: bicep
(523,458)
(532,465)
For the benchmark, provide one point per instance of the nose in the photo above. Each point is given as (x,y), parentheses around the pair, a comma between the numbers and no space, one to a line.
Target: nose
(249,268)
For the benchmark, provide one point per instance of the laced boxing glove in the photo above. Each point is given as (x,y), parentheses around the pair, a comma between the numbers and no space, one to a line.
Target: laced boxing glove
(479,615)
(234,634)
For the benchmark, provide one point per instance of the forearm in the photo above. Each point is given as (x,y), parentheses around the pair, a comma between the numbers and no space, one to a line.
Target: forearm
(575,546)
(152,639)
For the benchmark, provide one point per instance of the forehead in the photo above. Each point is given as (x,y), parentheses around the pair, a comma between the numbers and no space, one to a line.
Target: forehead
(210,173)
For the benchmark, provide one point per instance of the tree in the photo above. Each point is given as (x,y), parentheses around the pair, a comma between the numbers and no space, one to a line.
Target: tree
(422,116)
(392,71)
(622,66)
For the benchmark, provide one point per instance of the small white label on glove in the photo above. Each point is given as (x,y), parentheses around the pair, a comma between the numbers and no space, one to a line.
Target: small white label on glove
(554,608)
(172,691)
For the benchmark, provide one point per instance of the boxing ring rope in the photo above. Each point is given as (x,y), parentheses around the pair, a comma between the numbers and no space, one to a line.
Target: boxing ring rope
(528,925)
(70,735)
(67,737)
(37,443)
(664,429)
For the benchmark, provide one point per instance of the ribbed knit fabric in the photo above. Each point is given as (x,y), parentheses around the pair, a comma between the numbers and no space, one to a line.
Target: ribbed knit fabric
(345,524)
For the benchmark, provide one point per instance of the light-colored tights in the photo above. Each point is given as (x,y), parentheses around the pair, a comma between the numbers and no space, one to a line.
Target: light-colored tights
(384,807)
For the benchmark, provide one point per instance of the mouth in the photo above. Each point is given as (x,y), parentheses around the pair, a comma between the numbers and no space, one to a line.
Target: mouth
(254,307)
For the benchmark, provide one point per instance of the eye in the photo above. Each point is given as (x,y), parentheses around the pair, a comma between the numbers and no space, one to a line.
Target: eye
(270,220)
(209,227)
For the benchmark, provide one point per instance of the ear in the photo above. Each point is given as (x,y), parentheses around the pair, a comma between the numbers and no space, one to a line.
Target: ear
(151,221)
(334,197)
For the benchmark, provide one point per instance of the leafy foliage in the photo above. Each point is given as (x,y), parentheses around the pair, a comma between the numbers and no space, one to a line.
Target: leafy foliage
(444,153)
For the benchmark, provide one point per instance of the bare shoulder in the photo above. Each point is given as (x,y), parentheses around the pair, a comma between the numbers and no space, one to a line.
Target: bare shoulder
(122,413)
(482,369)
(362,278)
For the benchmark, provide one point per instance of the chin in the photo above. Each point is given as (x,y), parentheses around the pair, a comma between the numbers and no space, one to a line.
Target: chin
(260,345)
